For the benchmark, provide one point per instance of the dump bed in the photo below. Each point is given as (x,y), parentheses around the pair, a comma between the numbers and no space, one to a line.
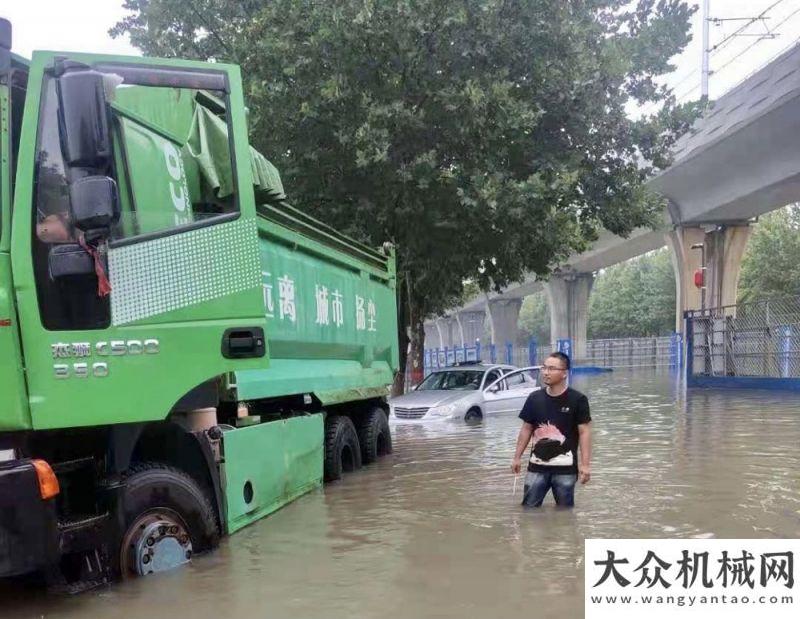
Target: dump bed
(331,312)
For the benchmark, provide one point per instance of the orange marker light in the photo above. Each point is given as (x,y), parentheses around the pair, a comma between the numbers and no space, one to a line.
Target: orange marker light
(48,482)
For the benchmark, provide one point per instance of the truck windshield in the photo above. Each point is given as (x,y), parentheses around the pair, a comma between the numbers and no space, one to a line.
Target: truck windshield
(453,380)
(173,170)
(172,160)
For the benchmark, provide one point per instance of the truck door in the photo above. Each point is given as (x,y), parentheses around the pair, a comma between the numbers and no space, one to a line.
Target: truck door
(135,247)
(13,397)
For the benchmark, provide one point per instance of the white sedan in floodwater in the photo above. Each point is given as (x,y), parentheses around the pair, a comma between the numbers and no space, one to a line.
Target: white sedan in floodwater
(467,391)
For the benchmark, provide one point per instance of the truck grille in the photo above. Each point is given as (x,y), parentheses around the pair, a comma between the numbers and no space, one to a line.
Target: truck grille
(410,413)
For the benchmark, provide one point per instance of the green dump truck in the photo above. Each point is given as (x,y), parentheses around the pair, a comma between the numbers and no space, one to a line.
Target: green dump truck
(181,351)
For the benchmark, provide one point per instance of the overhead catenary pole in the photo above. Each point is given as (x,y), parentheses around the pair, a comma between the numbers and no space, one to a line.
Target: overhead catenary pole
(708,49)
(704,68)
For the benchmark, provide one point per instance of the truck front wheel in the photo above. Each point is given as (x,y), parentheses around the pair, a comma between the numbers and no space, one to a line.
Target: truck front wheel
(342,451)
(168,518)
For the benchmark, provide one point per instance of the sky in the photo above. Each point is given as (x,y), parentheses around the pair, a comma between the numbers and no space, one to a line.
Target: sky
(65,25)
(82,25)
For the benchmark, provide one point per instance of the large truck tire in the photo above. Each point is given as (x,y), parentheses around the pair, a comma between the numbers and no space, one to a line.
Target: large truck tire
(168,518)
(374,435)
(342,451)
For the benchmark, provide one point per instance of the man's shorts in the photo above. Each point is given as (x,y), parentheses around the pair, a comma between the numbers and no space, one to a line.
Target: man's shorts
(537,484)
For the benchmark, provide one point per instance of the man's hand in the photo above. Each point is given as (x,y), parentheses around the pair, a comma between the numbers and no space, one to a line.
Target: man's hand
(584,474)
(523,438)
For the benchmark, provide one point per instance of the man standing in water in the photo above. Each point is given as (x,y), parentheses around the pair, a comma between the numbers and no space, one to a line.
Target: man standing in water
(557,419)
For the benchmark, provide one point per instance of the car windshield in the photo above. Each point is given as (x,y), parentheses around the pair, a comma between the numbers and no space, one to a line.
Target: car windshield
(453,380)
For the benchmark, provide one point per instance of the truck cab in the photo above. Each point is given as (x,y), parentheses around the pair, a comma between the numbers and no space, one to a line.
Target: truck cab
(169,325)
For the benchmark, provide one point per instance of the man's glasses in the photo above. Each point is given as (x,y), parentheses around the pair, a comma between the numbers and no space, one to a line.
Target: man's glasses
(553,368)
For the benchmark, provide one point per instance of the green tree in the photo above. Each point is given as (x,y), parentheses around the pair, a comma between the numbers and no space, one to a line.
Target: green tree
(634,299)
(484,138)
(771,263)
(534,319)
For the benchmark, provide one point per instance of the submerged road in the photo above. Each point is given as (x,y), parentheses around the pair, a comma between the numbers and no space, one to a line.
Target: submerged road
(434,531)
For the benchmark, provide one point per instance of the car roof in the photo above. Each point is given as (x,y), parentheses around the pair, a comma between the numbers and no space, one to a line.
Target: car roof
(476,366)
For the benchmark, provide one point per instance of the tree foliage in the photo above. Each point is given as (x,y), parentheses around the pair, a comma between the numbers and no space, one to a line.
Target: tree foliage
(485,138)
(534,319)
(771,263)
(634,298)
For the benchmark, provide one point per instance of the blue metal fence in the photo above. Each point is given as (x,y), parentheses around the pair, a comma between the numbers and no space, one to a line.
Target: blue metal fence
(664,351)
(436,358)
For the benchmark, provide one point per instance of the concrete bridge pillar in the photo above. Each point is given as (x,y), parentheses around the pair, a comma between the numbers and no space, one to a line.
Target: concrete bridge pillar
(432,336)
(472,326)
(503,316)
(724,251)
(568,297)
(443,331)
(685,261)
(719,252)
(451,335)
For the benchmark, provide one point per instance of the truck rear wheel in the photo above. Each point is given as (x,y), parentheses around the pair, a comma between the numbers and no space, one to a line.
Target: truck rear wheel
(374,435)
(342,451)
(168,518)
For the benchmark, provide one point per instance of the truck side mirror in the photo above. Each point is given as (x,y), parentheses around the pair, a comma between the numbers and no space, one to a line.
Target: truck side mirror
(93,202)
(68,261)
(83,122)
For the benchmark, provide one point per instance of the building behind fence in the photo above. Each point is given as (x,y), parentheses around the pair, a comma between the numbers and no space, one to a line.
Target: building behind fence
(758,343)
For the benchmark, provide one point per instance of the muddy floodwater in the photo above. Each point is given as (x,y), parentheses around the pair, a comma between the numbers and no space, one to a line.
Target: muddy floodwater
(434,531)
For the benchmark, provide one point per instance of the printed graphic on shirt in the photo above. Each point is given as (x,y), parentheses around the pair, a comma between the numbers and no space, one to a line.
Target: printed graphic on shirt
(549,431)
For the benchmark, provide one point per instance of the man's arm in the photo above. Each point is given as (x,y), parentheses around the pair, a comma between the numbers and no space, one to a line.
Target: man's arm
(523,438)
(585,452)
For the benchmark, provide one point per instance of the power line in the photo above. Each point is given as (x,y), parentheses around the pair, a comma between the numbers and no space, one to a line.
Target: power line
(683,95)
(685,78)
(716,49)
(756,42)
(741,29)
(726,41)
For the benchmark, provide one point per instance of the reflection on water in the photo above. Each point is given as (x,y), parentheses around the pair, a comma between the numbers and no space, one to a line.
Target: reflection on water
(434,531)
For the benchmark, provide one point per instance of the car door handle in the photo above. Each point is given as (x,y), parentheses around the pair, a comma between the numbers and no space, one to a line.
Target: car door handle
(243,343)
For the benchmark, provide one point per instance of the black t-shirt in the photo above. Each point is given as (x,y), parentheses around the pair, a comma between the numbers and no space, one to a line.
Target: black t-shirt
(555,420)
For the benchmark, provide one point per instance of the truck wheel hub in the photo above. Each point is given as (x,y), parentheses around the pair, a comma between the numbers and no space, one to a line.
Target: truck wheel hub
(156,542)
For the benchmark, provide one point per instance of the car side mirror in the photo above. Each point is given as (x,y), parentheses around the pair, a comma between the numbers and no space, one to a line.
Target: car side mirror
(494,389)
(83,122)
